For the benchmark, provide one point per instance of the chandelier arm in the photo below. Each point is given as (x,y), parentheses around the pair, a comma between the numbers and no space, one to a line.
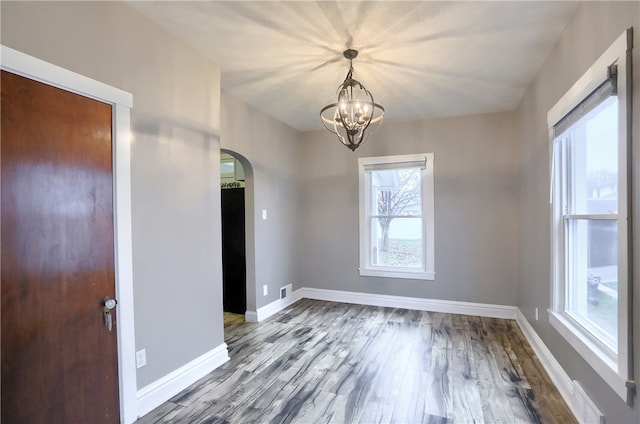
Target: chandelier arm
(373,108)
(326,121)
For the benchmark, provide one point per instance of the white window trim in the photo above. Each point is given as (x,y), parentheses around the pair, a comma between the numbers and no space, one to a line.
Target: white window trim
(428,238)
(614,369)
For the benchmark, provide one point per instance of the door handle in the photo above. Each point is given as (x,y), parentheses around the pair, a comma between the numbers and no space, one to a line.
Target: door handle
(107,305)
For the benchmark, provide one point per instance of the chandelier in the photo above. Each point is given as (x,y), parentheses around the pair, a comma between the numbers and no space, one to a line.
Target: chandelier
(355,114)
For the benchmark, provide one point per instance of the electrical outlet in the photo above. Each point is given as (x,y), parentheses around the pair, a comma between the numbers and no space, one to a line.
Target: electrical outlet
(141,358)
(537,317)
(265,290)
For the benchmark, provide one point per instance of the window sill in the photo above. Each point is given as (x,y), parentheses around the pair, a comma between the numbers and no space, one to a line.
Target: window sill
(591,352)
(409,275)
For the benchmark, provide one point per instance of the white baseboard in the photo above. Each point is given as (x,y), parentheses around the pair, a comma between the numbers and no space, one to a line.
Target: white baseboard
(163,389)
(415,303)
(571,391)
(273,308)
(558,375)
(251,316)
(585,410)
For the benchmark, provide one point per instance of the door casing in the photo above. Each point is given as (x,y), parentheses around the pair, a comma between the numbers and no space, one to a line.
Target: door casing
(30,67)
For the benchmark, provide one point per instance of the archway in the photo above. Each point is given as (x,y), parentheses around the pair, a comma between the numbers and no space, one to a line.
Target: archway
(238,246)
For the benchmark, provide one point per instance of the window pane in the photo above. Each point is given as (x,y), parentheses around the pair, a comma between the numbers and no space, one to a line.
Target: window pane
(396,192)
(227,168)
(592,271)
(593,147)
(396,242)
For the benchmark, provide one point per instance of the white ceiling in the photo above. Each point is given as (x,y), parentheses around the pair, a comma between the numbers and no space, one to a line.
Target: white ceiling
(419,59)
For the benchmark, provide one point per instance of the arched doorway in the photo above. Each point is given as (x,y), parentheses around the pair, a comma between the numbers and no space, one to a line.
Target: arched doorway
(237,235)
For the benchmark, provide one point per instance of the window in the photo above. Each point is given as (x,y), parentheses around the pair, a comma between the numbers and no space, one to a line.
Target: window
(589,196)
(396,216)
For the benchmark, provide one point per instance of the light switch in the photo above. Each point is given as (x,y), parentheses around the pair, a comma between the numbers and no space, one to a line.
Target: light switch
(141,358)
(264,214)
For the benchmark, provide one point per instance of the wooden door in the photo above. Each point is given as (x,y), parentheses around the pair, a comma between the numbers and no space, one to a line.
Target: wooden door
(234,268)
(59,361)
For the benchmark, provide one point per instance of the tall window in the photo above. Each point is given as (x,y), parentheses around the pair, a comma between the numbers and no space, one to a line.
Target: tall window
(590,158)
(396,216)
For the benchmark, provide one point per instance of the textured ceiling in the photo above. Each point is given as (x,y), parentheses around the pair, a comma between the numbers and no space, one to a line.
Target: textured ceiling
(419,59)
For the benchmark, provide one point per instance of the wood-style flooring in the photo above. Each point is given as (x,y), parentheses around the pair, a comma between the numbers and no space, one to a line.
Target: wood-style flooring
(325,362)
(231,319)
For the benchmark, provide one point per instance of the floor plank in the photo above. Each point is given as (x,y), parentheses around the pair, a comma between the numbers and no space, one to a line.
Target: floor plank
(326,362)
(232,320)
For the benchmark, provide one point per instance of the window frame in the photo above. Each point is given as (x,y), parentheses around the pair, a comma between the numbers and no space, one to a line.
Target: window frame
(613,365)
(427,272)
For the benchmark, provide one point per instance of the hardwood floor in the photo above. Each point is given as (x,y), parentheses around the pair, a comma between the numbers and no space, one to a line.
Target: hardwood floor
(321,362)
(232,320)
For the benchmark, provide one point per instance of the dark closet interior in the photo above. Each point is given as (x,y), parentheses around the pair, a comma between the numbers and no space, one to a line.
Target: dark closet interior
(233,251)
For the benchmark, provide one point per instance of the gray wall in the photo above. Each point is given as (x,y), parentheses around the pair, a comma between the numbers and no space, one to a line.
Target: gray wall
(174,163)
(273,152)
(491,183)
(476,208)
(592,30)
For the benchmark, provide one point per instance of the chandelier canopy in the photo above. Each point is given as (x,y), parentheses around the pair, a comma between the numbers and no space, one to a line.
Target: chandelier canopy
(355,114)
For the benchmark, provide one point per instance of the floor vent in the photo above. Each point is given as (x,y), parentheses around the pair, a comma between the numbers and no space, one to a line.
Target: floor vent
(285,291)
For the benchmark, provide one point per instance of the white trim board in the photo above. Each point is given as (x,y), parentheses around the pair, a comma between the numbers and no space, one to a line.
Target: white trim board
(155,394)
(571,391)
(272,308)
(33,68)
(251,316)
(415,303)
(589,81)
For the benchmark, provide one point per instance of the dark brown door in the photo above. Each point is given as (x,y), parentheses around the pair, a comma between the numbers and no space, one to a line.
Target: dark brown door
(59,361)
(234,263)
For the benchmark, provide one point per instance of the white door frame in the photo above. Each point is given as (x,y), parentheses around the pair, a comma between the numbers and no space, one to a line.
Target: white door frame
(22,64)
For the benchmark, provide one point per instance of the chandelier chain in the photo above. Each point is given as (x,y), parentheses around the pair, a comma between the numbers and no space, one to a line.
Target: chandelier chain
(350,73)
